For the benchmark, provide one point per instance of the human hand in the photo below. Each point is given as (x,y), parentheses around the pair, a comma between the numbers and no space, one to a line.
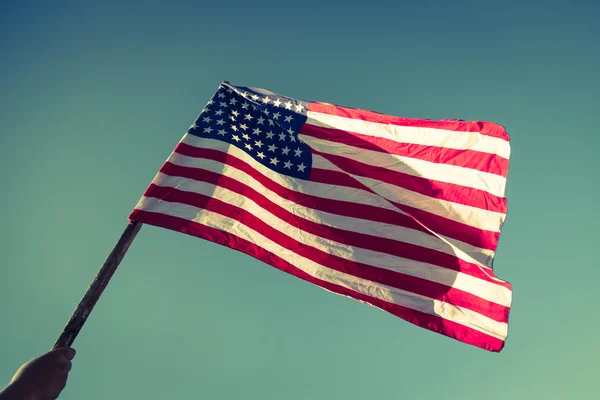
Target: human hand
(42,378)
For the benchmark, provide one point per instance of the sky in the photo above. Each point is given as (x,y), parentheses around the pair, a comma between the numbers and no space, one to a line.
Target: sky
(95,95)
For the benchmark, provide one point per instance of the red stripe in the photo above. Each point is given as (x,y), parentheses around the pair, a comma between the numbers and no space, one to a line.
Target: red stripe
(485,162)
(484,128)
(345,208)
(371,273)
(465,233)
(379,244)
(452,229)
(431,322)
(435,189)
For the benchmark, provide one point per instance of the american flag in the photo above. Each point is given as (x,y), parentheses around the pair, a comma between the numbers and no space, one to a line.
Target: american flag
(402,214)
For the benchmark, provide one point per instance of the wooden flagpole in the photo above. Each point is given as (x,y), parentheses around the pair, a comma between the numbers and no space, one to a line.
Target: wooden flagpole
(87,303)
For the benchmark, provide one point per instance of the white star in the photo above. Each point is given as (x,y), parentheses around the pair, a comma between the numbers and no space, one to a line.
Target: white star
(255,97)
(235,128)
(229,90)
(233,101)
(261,155)
(276,103)
(299,107)
(221,95)
(288,105)
(270,135)
(221,132)
(208,130)
(271,123)
(297,152)
(274,161)
(282,136)
(248,146)
(245,136)
(236,138)
(266,112)
(292,138)
(209,102)
(285,150)
(235,113)
(276,115)
(258,143)
(260,120)
(290,131)
(248,117)
(287,164)
(288,118)
(244,126)
(301,167)
(219,112)
(272,148)
(194,126)
(266,99)
(245,94)
(245,106)
(256,131)
(220,122)
(223,104)
(231,117)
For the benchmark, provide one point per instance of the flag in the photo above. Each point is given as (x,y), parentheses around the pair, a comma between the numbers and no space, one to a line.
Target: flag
(402,214)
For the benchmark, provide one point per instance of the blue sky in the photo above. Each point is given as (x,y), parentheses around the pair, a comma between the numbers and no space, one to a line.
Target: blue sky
(95,95)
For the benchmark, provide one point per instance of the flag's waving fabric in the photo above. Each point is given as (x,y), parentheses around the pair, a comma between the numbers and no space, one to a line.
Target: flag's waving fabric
(402,214)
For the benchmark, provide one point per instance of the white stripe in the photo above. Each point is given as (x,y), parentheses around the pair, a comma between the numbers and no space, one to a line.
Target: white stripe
(491,183)
(486,290)
(408,134)
(365,226)
(471,253)
(410,300)
(340,193)
(473,216)
(483,257)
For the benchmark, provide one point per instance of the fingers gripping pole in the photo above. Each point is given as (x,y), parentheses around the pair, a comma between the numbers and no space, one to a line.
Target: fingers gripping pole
(97,286)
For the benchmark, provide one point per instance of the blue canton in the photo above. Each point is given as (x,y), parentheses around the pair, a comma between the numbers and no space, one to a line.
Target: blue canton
(263,124)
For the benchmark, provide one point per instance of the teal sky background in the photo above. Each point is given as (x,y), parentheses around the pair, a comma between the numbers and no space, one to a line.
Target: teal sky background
(95,95)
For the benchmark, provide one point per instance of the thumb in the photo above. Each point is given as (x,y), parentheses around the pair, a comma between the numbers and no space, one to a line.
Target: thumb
(68,352)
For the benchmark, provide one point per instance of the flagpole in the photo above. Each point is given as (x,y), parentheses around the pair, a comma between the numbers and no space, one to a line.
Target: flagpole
(97,286)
